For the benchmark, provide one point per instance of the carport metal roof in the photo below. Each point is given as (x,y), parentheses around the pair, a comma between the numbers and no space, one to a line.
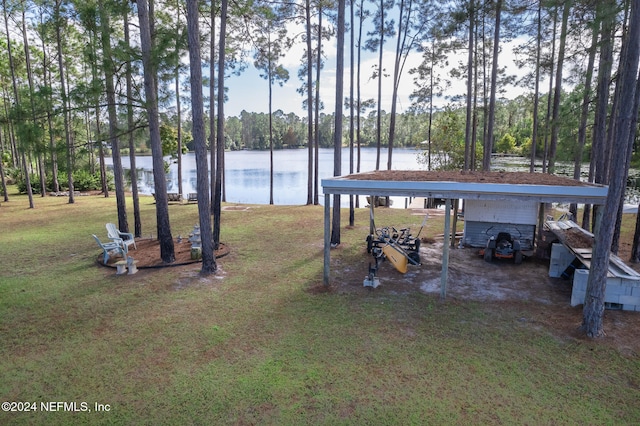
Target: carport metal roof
(450,190)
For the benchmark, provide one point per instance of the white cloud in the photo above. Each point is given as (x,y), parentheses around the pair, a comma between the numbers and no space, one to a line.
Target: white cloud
(249,92)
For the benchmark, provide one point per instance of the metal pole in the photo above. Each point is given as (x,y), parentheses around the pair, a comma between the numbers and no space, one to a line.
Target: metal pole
(445,249)
(327,237)
(372,227)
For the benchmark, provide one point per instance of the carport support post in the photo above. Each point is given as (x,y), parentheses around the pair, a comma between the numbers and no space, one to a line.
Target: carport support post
(372,228)
(327,239)
(445,249)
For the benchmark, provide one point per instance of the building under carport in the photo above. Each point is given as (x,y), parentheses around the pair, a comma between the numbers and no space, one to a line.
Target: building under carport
(512,187)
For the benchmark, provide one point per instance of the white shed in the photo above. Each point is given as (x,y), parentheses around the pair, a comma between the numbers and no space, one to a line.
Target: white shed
(484,218)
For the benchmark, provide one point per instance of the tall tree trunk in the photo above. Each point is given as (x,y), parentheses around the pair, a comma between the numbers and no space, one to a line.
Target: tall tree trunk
(109,73)
(430,120)
(469,118)
(547,123)
(9,128)
(337,133)
(555,125)
(3,181)
(404,46)
(41,162)
(34,121)
(358,88)
(177,85)
(598,159)
(6,101)
(132,149)
(474,124)
(379,114)
(270,76)
(90,142)
(593,311)
(488,143)
(536,92)
(402,29)
(584,114)
(98,132)
(167,252)
(217,201)
(43,180)
(352,213)
(632,134)
(63,95)
(615,102)
(16,100)
(316,172)
(199,138)
(52,149)
(212,104)
(101,155)
(307,11)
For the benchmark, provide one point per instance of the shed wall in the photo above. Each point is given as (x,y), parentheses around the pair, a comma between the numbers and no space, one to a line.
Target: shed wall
(520,212)
(476,234)
(484,218)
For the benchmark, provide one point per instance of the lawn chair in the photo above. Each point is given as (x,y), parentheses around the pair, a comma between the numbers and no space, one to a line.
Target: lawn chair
(126,237)
(117,245)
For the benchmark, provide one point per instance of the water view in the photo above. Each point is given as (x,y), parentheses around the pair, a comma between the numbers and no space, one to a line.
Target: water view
(247,172)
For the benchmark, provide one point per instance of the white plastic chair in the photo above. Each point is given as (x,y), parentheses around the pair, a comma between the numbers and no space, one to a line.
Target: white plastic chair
(126,237)
(117,245)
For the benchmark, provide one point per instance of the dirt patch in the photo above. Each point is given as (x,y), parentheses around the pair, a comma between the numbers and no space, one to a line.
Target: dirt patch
(512,178)
(147,254)
(576,238)
(525,288)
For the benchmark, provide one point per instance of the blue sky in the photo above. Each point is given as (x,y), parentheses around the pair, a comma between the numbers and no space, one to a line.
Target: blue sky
(250,92)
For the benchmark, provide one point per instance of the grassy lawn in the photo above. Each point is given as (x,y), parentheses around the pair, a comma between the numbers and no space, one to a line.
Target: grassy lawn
(259,344)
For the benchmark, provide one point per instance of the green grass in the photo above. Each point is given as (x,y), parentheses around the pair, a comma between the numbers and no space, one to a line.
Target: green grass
(259,345)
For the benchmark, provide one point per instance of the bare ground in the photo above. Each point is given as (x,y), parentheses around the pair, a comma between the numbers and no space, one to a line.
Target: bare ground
(526,288)
(147,254)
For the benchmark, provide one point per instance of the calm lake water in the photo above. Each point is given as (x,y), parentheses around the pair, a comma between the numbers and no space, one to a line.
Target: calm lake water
(247,173)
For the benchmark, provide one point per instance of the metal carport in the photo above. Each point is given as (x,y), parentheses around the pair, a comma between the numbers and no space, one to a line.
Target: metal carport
(384,184)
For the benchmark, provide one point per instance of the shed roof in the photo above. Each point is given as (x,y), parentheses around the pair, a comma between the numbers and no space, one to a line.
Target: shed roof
(540,187)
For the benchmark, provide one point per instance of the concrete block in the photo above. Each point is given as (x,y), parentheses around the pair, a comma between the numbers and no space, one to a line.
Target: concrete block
(556,270)
(617,289)
(613,281)
(580,278)
(611,297)
(561,258)
(560,252)
(629,300)
(577,297)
